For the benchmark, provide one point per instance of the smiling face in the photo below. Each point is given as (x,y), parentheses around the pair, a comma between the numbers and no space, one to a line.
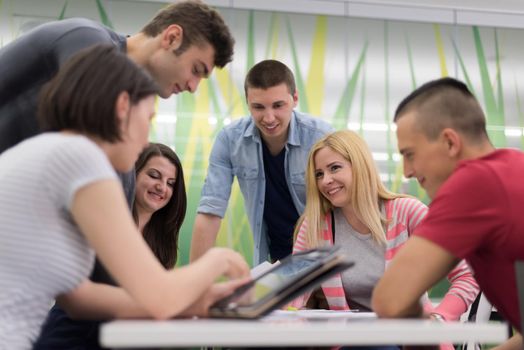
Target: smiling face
(154,184)
(428,161)
(334,177)
(271,110)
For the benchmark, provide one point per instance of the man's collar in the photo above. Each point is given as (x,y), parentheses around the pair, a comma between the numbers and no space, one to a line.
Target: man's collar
(292,136)
(251,130)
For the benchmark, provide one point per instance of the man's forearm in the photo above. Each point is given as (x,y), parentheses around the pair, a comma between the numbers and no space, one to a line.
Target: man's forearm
(205,231)
(513,343)
(419,265)
(386,309)
(200,244)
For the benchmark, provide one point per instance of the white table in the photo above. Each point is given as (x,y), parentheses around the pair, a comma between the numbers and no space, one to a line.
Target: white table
(295,331)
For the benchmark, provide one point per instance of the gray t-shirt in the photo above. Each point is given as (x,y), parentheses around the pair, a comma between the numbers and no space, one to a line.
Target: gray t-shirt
(31,60)
(42,252)
(369,259)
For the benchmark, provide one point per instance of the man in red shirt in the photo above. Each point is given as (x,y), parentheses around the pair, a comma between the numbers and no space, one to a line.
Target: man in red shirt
(476,212)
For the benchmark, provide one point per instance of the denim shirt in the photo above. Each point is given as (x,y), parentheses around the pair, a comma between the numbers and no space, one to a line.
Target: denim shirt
(238,152)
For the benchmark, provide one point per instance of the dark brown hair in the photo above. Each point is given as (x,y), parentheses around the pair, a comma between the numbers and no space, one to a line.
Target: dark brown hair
(201,24)
(445,103)
(162,231)
(269,73)
(83,94)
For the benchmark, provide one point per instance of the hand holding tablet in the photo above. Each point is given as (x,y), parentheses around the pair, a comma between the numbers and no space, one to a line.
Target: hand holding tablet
(295,275)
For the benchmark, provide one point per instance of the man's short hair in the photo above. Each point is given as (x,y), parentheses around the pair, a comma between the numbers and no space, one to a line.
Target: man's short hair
(445,103)
(269,73)
(83,94)
(201,24)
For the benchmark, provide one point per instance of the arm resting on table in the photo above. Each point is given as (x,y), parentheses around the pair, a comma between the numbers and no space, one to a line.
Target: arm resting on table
(416,268)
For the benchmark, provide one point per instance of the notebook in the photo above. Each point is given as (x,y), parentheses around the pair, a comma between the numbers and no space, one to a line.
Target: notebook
(294,276)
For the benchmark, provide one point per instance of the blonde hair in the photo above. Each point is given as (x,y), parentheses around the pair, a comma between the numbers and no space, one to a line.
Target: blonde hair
(366,188)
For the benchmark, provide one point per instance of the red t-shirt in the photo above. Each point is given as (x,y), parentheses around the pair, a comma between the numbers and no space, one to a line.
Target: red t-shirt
(478,215)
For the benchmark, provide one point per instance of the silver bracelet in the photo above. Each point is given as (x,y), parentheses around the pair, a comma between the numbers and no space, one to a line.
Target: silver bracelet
(437,317)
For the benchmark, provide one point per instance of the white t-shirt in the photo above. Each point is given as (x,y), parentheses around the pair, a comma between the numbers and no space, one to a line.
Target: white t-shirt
(42,251)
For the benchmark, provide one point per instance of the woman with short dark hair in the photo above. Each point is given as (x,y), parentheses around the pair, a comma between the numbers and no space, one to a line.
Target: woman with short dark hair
(61,203)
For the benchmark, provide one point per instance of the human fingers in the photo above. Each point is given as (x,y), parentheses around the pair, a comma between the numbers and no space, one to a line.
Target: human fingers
(223,289)
(238,267)
(230,262)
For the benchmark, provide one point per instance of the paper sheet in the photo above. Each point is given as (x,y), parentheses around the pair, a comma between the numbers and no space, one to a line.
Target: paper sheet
(260,269)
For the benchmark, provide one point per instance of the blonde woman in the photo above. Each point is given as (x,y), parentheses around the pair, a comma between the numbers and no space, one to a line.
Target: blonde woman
(348,205)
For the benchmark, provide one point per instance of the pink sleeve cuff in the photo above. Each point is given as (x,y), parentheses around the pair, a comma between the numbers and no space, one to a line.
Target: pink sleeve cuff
(301,301)
(451,307)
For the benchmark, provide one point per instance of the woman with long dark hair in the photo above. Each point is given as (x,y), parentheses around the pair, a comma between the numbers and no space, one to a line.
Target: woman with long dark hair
(160,200)
(159,209)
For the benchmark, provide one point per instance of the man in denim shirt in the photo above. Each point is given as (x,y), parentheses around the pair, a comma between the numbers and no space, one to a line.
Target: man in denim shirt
(267,152)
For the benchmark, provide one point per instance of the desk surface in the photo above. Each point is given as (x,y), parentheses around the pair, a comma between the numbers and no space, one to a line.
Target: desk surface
(295,331)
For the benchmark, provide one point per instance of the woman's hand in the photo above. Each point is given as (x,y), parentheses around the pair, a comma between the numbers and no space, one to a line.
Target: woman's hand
(220,262)
(216,292)
(232,263)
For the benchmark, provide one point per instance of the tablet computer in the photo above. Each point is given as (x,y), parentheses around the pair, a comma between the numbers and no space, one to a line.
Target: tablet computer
(294,276)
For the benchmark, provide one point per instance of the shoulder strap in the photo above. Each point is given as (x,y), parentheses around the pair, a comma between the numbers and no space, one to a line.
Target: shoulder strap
(333,224)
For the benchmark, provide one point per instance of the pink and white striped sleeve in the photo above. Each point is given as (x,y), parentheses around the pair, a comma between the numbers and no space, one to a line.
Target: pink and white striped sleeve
(461,293)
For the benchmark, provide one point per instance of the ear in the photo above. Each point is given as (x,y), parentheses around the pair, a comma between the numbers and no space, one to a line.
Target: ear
(295,98)
(452,141)
(122,106)
(171,37)
(247,95)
